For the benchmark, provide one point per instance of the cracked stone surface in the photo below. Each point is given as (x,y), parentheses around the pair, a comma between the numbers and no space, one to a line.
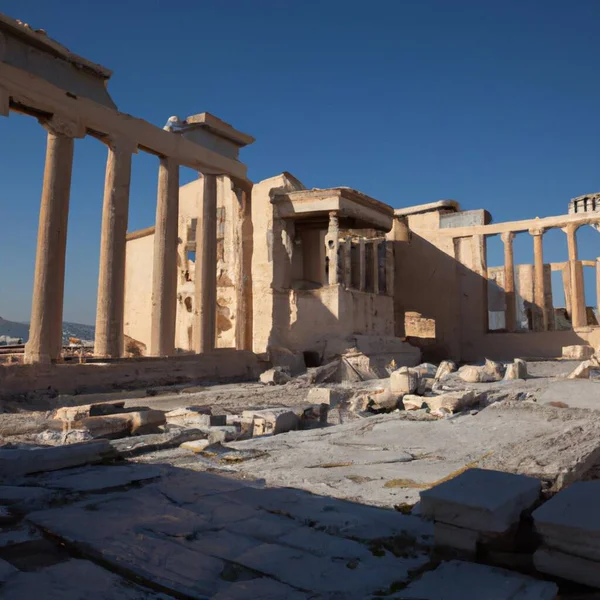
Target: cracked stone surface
(191,534)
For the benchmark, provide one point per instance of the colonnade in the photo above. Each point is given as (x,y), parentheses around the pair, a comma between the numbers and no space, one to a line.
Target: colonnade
(575,289)
(45,338)
(341,271)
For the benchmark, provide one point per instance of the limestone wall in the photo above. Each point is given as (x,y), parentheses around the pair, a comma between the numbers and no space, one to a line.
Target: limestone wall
(138,287)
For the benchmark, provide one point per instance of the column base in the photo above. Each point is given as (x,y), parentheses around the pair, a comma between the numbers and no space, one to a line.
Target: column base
(36,358)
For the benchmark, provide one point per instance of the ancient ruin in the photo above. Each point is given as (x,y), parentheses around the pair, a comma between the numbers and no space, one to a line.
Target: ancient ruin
(293,393)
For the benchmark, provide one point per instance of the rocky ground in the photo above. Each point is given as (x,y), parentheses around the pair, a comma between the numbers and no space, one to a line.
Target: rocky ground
(191,506)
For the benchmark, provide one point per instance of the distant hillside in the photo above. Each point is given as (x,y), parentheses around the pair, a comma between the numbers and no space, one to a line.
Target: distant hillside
(13,329)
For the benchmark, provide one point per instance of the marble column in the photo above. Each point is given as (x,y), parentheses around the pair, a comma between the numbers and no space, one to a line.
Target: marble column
(389,267)
(243,331)
(375,266)
(347,252)
(578,314)
(566,278)
(206,268)
(164,271)
(362,256)
(111,279)
(540,321)
(509,281)
(332,243)
(45,331)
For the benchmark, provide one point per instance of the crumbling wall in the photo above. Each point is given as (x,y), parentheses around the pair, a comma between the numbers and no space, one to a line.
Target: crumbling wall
(271,262)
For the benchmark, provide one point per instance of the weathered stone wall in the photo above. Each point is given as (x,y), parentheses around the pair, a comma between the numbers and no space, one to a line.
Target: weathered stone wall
(128,373)
(138,287)
(271,261)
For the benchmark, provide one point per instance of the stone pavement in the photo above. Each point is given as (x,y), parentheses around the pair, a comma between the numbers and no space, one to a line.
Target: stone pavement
(140,531)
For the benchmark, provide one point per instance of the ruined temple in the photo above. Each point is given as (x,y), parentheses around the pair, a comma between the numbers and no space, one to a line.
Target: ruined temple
(241,268)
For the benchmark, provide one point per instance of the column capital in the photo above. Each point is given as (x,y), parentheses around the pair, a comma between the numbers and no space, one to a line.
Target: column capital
(570,228)
(63,126)
(536,231)
(507,237)
(120,144)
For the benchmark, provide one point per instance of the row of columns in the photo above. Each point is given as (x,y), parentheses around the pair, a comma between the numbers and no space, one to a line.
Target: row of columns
(332,250)
(45,337)
(575,299)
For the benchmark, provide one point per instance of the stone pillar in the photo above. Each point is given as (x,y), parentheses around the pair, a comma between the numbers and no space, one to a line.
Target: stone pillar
(363,265)
(332,246)
(509,281)
(243,332)
(206,268)
(376,266)
(540,321)
(111,279)
(578,314)
(45,330)
(164,271)
(389,267)
(347,250)
(566,278)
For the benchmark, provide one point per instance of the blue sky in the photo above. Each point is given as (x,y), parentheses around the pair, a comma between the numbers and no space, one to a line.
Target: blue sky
(494,104)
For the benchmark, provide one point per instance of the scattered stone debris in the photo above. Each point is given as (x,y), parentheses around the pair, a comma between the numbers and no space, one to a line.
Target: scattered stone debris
(516,370)
(445,368)
(275,376)
(579,352)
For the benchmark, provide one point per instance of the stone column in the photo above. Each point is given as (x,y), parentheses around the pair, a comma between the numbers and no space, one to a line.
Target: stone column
(363,265)
(509,280)
(243,332)
(347,250)
(164,271)
(376,266)
(206,268)
(566,278)
(540,321)
(332,243)
(389,267)
(578,316)
(45,330)
(111,279)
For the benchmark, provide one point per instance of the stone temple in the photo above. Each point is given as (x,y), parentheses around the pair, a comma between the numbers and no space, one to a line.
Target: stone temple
(260,416)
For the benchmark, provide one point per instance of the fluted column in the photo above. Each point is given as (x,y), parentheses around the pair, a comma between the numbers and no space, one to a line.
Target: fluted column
(164,271)
(347,250)
(376,266)
(509,280)
(243,332)
(540,322)
(111,279)
(206,268)
(332,245)
(578,316)
(362,256)
(389,267)
(45,330)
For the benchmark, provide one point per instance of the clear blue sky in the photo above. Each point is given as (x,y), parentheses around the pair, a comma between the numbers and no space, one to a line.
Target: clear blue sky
(494,104)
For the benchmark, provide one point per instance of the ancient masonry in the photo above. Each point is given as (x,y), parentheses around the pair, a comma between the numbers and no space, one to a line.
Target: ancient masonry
(132,472)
